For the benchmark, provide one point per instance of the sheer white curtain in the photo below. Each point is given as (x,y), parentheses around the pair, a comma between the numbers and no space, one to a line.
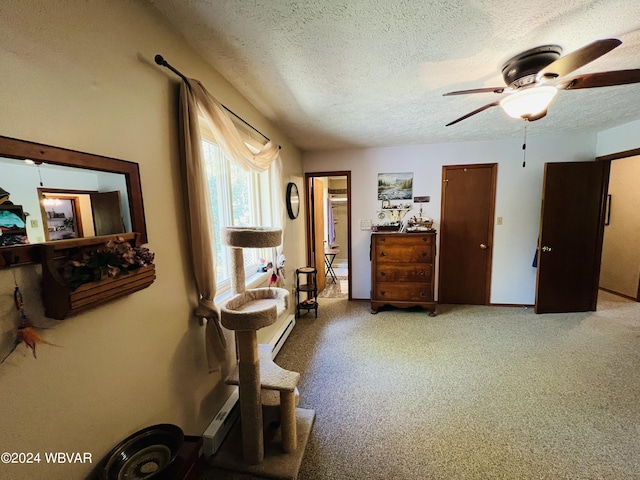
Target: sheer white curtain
(194,100)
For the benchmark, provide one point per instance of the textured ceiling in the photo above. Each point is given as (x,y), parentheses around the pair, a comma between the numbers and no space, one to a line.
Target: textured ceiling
(357,73)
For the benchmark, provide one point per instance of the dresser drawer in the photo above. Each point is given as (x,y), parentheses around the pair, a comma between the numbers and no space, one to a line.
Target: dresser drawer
(411,292)
(411,248)
(403,272)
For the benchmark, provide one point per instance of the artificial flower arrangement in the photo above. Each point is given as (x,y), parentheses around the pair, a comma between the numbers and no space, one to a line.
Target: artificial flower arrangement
(116,257)
(264,265)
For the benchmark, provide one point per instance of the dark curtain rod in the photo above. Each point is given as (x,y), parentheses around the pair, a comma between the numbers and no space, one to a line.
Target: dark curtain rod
(162,62)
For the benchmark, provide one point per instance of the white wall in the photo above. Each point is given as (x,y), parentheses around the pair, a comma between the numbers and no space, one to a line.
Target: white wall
(518,198)
(618,139)
(81,75)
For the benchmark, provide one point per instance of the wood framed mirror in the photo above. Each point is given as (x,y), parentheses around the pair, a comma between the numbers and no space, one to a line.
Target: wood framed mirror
(110,171)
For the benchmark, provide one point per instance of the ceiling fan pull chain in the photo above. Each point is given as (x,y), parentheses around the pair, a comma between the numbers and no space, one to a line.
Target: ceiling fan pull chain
(40,173)
(524,145)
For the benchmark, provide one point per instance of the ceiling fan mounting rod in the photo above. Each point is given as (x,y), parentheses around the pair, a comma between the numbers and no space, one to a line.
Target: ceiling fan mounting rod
(522,69)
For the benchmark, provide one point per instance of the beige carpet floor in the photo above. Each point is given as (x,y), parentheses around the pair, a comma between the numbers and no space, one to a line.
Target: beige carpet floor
(473,393)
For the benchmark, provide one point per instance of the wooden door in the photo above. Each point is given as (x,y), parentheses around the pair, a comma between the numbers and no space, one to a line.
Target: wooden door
(107,213)
(466,233)
(317,248)
(571,232)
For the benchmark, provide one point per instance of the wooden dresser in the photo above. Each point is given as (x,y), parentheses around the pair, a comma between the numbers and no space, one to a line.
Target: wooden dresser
(402,270)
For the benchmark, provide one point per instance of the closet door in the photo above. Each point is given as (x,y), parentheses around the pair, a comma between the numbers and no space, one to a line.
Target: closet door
(107,213)
(466,233)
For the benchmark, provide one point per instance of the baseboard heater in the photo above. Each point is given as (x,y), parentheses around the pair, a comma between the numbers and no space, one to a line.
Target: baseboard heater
(218,429)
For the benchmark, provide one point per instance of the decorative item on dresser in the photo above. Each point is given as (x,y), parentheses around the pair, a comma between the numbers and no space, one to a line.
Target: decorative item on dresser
(402,270)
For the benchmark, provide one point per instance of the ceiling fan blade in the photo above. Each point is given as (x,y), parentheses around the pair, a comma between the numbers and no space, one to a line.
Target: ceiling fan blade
(476,90)
(481,109)
(600,79)
(574,60)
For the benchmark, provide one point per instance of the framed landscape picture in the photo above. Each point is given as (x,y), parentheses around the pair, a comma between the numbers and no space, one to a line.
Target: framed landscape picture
(395,186)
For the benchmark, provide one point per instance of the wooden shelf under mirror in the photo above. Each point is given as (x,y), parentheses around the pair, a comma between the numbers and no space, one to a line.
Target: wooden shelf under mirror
(61,302)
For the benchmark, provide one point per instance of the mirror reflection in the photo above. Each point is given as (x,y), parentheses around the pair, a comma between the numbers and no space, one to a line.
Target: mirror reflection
(41,202)
(60,218)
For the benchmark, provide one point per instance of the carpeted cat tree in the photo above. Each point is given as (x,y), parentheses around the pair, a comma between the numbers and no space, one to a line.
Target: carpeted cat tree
(267,450)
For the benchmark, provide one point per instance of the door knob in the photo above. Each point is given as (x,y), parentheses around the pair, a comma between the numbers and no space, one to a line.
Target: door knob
(483,246)
(546,249)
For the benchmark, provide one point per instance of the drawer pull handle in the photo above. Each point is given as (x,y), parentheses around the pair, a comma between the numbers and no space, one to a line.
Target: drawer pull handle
(424,254)
(422,273)
(382,274)
(382,254)
(423,294)
(382,292)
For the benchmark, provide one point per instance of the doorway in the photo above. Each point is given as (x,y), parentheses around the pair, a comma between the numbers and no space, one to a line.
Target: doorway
(466,233)
(577,191)
(62,216)
(328,209)
(620,261)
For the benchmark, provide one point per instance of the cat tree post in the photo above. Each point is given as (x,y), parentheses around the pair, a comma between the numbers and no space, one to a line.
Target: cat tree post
(245,313)
(288,419)
(249,390)
(237,267)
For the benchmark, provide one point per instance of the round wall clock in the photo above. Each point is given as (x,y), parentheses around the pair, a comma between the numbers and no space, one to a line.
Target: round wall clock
(293,200)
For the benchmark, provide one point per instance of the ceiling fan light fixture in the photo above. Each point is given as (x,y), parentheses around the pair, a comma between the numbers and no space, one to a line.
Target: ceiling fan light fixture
(528,102)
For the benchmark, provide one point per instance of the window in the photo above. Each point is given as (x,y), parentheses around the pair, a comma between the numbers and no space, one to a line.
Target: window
(239,198)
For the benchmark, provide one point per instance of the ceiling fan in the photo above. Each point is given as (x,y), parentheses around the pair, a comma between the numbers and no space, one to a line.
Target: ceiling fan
(535,76)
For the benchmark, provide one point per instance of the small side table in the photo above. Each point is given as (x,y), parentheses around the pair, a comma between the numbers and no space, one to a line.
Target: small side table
(329,257)
(310,287)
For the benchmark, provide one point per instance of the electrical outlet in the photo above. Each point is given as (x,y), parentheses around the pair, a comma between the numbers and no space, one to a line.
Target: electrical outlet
(34,223)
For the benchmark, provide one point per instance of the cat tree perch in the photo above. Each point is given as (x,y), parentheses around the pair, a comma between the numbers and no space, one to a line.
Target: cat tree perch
(245,313)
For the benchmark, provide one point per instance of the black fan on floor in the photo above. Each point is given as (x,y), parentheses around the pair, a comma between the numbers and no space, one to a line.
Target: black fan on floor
(535,76)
